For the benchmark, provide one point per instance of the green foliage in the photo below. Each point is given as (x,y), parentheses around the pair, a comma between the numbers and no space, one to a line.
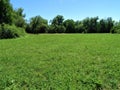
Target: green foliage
(10,31)
(56,29)
(20,22)
(10,16)
(90,24)
(58,20)
(60,62)
(79,28)
(6,11)
(61,29)
(105,25)
(116,28)
(57,25)
(43,28)
(110,24)
(18,18)
(70,26)
(37,25)
(52,29)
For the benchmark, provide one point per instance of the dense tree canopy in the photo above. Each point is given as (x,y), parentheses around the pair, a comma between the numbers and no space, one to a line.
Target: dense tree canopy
(79,28)
(70,26)
(58,20)
(6,12)
(90,24)
(37,25)
(57,25)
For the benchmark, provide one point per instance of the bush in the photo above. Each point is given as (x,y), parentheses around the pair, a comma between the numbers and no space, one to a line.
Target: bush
(10,31)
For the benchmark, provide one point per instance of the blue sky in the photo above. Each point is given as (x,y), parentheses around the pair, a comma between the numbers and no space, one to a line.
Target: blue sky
(70,9)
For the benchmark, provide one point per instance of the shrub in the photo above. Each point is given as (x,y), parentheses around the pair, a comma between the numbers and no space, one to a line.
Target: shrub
(10,31)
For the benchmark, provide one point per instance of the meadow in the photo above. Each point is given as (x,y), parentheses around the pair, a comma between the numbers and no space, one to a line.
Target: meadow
(60,62)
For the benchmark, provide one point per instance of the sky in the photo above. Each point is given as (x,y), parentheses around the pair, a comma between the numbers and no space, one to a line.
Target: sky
(70,9)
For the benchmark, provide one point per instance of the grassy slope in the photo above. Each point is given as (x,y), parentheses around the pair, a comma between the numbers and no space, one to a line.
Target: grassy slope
(61,62)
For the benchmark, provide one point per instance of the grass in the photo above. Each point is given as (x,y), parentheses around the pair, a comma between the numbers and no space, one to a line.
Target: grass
(60,62)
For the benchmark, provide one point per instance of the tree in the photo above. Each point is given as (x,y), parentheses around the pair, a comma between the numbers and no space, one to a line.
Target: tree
(102,26)
(58,20)
(70,26)
(79,28)
(93,25)
(90,24)
(19,12)
(36,25)
(116,28)
(110,23)
(6,11)
(20,21)
(86,24)
(105,25)
(57,25)
(43,28)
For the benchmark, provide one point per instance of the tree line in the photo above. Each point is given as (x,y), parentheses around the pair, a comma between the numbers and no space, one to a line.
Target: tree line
(12,20)
(60,25)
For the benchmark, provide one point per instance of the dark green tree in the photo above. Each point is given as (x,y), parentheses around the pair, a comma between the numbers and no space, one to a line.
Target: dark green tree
(6,12)
(57,25)
(69,25)
(93,25)
(58,20)
(90,24)
(56,29)
(105,25)
(37,25)
(86,24)
(79,28)
(102,26)
(110,24)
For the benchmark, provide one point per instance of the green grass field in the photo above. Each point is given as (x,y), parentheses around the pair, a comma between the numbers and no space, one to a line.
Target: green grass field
(60,62)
